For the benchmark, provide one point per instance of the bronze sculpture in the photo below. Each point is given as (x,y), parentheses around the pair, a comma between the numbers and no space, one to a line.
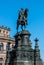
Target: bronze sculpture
(22,18)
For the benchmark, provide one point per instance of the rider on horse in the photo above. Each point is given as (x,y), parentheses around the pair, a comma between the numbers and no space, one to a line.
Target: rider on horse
(22,18)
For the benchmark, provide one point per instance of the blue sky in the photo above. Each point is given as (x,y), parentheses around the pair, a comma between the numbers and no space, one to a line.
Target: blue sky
(9,13)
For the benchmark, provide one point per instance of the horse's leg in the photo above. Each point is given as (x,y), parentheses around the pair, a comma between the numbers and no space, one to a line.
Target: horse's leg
(22,27)
(17,27)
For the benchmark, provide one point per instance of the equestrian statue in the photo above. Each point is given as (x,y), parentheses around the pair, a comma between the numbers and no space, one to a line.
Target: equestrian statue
(22,18)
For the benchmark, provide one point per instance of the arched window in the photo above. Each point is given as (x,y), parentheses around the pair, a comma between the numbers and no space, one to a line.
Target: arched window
(4,31)
(0,31)
(1,46)
(1,61)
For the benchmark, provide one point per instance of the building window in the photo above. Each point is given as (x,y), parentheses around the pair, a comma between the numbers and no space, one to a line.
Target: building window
(0,31)
(1,46)
(1,61)
(3,31)
(7,32)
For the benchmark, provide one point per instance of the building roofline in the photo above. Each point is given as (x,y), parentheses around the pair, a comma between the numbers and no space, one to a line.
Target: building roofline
(2,27)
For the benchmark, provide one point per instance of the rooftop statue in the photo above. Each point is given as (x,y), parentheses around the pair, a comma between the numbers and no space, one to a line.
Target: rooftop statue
(22,18)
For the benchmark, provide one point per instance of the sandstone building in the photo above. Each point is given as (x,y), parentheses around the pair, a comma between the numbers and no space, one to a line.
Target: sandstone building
(4,39)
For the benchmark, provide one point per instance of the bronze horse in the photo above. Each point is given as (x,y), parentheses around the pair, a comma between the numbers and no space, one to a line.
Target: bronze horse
(22,19)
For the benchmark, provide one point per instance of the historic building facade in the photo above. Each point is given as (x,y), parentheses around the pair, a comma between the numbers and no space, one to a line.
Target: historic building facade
(4,39)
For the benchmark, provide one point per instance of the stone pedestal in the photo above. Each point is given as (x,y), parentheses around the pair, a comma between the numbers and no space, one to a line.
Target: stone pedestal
(23,48)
